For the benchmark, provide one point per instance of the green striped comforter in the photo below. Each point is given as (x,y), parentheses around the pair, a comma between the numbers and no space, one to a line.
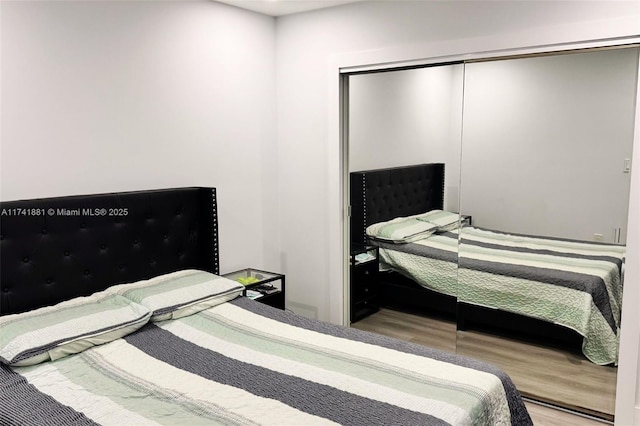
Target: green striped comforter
(571,283)
(245,363)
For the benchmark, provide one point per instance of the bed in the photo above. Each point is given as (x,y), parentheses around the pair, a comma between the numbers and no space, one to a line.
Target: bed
(569,292)
(158,337)
(384,194)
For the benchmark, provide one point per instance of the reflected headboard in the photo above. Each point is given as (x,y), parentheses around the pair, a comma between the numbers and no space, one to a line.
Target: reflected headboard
(383,194)
(54,249)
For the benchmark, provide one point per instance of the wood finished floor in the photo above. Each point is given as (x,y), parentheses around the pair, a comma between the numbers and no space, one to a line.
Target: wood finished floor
(546,374)
(546,416)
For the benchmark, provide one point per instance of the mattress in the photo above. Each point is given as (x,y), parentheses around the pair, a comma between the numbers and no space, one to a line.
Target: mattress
(574,284)
(243,362)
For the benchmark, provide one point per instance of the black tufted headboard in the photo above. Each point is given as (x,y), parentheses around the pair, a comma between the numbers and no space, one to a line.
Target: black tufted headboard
(383,194)
(54,249)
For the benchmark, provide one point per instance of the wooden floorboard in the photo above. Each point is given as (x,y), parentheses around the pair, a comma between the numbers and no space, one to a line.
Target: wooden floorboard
(441,334)
(552,375)
(546,374)
(547,416)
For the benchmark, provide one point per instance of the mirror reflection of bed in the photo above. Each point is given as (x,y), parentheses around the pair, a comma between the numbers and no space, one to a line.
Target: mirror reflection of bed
(395,118)
(544,195)
(414,277)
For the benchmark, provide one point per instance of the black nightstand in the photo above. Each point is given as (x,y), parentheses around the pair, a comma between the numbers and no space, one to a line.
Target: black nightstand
(364,264)
(262,286)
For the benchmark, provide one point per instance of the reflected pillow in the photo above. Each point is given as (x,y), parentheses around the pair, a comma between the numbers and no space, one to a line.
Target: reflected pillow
(401,230)
(180,294)
(443,220)
(69,327)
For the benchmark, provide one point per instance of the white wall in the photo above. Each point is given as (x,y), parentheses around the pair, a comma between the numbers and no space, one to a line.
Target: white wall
(113,96)
(400,118)
(308,45)
(311,47)
(560,128)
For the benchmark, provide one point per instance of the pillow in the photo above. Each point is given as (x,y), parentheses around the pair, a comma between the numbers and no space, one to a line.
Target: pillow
(401,230)
(180,294)
(69,327)
(443,220)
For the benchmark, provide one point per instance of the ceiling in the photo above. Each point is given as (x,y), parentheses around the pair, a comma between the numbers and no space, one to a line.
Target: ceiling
(284,7)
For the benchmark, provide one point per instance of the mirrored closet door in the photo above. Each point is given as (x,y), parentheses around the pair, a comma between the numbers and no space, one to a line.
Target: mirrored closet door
(534,154)
(404,159)
(545,176)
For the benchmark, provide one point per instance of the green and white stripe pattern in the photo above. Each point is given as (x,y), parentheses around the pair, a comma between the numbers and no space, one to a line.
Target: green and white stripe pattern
(180,293)
(401,230)
(444,220)
(233,364)
(68,327)
(571,283)
(432,262)
(574,284)
(413,228)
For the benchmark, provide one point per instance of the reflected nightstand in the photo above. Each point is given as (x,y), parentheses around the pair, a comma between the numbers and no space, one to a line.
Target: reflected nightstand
(364,264)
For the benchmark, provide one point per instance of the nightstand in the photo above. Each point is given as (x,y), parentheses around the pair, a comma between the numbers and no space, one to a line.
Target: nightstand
(364,264)
(262,286)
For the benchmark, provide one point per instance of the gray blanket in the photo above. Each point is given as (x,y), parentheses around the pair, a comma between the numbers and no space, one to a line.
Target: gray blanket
(576,284)
(246,363)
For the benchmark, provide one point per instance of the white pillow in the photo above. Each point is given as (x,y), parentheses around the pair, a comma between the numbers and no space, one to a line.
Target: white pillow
(401,230)
(443,220)
(69,327)
(180,294)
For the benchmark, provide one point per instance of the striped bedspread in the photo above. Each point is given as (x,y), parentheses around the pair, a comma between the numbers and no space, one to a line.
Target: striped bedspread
(432,262)
(571,283)
(245,363)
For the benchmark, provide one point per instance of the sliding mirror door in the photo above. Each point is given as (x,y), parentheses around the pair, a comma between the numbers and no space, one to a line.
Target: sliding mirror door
(404,159)
(545,177)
